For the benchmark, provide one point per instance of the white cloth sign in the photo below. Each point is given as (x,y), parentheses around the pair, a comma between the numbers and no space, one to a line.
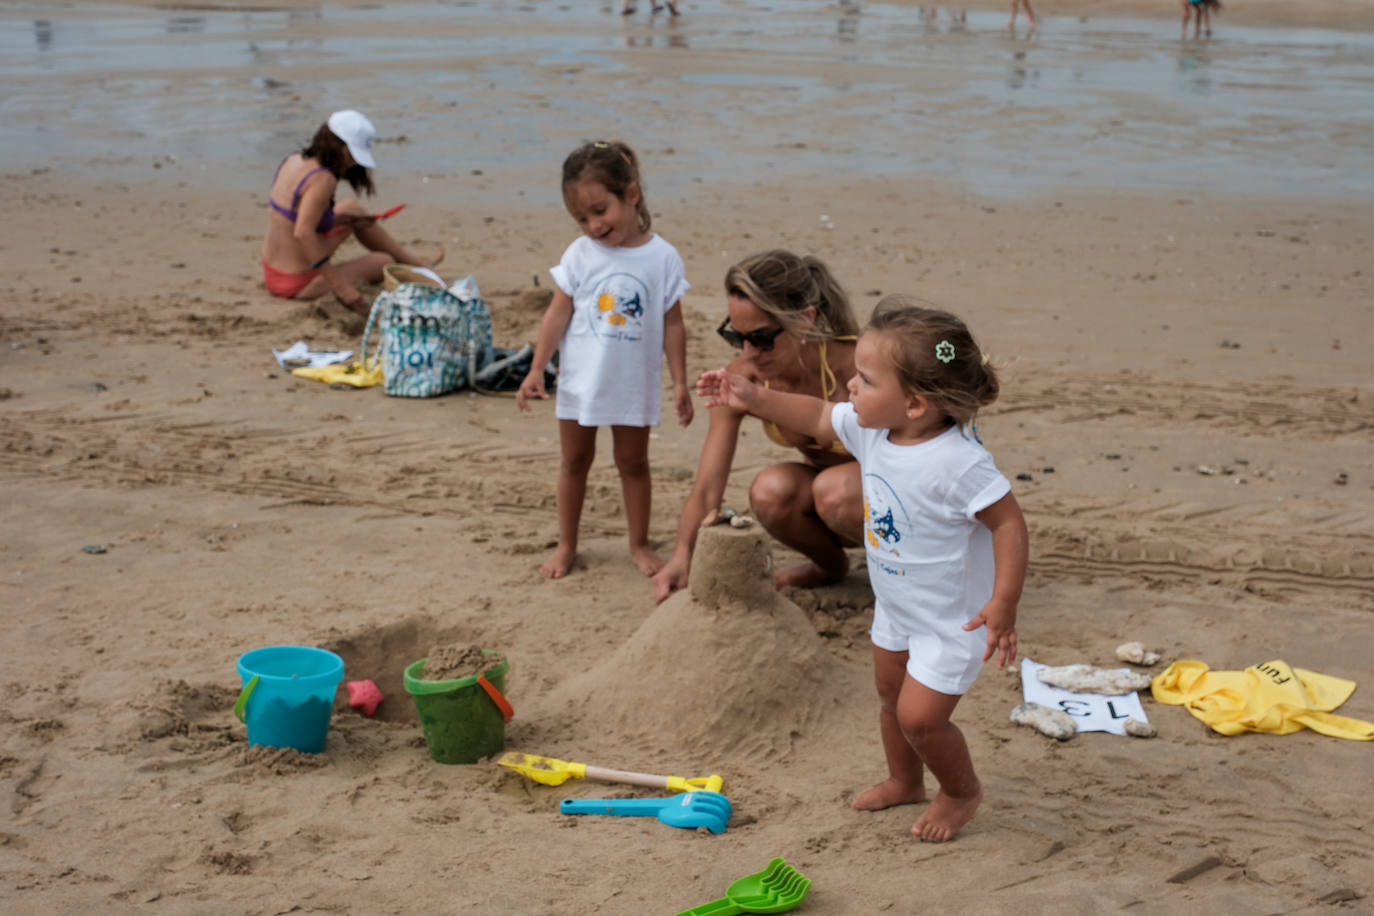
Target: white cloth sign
(299,355)
(1091,712)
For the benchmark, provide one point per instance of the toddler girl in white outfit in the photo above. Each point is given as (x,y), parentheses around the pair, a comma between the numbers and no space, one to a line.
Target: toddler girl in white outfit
(946,541)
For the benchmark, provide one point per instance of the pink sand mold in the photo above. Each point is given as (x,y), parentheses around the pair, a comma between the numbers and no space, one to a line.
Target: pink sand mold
(363,696)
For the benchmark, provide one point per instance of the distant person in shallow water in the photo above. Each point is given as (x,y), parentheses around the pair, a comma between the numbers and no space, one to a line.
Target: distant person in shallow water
(1017,5)
(1200,11)
(305,227)
(656,7)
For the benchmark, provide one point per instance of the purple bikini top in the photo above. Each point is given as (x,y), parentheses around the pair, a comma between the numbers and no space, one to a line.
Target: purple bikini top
(326,221)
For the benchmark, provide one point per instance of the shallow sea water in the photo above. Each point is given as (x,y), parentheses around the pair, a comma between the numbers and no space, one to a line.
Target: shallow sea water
(737,91)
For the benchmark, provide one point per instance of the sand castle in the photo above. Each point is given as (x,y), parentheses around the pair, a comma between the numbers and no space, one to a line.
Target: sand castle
(731,663)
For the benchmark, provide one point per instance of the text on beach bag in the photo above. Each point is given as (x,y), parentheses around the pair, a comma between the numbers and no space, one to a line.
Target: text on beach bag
(431,340)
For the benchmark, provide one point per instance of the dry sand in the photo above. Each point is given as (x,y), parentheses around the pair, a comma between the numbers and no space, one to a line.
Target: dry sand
(1195,370)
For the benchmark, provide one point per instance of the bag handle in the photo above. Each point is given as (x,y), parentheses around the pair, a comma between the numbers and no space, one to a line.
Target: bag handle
(396,273)
(497,697)
(367,335)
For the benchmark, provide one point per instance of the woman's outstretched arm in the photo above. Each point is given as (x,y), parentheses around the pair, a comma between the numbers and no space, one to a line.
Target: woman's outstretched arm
(708,489)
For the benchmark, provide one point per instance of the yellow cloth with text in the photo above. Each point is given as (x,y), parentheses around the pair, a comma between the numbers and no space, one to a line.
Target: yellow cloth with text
(352,374)
(1271,697)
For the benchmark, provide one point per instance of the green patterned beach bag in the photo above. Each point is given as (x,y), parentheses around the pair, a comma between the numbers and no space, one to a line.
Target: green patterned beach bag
(431,340)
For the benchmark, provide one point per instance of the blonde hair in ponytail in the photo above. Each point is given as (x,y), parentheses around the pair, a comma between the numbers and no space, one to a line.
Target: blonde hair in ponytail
(784,285)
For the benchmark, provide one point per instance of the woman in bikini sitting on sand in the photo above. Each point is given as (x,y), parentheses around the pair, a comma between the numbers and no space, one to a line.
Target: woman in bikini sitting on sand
(795,330)
(304,226)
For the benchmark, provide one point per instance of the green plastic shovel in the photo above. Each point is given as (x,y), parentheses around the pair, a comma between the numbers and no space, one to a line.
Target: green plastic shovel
(776,889)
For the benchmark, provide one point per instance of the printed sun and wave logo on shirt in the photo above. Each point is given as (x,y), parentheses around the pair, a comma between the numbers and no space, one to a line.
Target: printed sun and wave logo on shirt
(620,305)
(884,520)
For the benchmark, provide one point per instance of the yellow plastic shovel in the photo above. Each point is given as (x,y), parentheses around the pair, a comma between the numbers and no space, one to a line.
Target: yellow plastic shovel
(553,772)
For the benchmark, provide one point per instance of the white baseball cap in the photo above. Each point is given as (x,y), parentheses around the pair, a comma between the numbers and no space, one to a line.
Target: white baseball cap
(357,133)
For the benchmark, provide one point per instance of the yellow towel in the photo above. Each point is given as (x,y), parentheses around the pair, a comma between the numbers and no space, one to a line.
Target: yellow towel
(352,374)
(1271,697)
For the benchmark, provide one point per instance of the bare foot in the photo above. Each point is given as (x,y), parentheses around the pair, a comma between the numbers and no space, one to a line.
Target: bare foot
(648,562)
(557,566)
(886,794)
(433,259)
(946,816)
(806,575)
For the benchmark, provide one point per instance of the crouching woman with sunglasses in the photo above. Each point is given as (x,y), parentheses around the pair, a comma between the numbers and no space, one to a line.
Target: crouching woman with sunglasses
(795,331)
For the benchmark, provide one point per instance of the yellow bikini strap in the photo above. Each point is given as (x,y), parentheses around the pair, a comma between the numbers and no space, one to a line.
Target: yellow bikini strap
(828,380)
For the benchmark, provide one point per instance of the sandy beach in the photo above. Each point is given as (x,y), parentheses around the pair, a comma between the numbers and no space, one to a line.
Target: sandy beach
(1187,418)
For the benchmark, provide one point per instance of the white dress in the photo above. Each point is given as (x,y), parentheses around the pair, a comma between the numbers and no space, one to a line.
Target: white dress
(930,560)
(610,369)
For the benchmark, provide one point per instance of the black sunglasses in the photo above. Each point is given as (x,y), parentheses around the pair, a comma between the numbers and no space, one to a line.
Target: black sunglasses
(761,340)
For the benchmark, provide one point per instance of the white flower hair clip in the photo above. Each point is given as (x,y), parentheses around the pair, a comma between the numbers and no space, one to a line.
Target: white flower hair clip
(944,351)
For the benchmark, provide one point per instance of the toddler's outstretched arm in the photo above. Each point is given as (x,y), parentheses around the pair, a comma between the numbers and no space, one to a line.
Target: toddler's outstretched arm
(799,412)
(723,388)
(1011,549)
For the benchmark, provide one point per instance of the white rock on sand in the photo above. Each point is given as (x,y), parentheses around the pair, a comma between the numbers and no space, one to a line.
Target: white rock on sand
(1137,729)
(1052,723)
(1087,679)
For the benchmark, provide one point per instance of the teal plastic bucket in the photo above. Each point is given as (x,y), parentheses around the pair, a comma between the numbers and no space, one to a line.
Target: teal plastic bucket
(288,695)
(461,720)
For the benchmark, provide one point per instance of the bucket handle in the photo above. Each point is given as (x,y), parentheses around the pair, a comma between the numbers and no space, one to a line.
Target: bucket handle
(507,711)
(241,704)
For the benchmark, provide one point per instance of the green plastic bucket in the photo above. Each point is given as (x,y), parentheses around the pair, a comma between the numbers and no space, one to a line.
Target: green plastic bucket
(461,720)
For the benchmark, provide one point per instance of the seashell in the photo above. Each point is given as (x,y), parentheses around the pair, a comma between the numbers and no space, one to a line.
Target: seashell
(1052,723)
(1137,729)
(719,516)
(1136,654)
(740,521)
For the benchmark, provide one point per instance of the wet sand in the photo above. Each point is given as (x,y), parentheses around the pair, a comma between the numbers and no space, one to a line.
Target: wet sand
(1334,14)
(1189,358)
(716,97)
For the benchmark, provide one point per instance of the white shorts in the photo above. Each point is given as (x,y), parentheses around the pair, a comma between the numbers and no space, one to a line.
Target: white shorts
(946,663)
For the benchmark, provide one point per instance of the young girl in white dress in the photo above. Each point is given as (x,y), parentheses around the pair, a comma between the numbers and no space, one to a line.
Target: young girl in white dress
(615,314)
(946,541)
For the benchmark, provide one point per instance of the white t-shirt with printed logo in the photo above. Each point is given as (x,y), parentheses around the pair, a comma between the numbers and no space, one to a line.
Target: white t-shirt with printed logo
(930,560)
(610,365)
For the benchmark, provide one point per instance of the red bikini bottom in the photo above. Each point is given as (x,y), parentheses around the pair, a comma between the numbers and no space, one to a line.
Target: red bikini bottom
(283,284)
